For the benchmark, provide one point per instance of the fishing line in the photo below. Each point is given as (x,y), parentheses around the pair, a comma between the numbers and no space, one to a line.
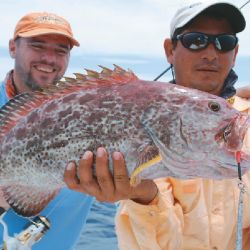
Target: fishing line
(242,189)
(247,2)
(31,220)
(60,201)
(164,72)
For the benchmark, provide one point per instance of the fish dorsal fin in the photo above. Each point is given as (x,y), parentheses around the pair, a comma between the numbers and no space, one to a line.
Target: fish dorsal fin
(69,79)
(123,75)
(92,73)
(22,104)
(105,70)
(11,112)
(80,76)
(108,76)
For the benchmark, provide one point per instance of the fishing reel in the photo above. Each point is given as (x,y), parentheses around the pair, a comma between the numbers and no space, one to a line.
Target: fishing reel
(28,237)
(35,231)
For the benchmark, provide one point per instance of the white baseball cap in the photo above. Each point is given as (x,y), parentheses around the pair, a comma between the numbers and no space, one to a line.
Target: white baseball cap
(187,13)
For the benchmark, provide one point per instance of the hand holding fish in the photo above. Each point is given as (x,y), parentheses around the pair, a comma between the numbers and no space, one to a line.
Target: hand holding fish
(103,185)
(243,92)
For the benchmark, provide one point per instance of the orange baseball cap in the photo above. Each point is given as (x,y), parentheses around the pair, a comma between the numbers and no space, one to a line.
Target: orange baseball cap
(43,23)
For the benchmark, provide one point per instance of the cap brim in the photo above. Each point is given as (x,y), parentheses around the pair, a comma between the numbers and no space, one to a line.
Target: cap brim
(38,32)
(234,15)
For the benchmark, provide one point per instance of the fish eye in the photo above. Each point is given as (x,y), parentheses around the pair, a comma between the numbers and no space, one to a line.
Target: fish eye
(214,106)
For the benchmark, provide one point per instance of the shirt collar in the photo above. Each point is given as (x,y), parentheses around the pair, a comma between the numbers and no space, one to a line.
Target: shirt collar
(228,89)
(10,86)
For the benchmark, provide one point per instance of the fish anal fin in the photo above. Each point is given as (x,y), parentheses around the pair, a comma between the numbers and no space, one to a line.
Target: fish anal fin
(148,157)
(27,201)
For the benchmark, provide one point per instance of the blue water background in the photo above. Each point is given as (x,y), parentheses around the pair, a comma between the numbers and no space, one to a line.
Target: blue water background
(99,232)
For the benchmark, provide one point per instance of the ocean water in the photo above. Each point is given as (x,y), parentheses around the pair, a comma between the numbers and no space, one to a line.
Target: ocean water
(99,231)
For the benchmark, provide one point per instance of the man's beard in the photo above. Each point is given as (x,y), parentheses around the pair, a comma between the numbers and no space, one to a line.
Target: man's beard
(32,85)
(30,82)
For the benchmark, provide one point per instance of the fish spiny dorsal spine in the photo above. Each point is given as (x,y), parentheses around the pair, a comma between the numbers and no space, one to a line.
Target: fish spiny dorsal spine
(119,75)
(105,70)
(107,76)
(69,79)
(80,76)
(92,73)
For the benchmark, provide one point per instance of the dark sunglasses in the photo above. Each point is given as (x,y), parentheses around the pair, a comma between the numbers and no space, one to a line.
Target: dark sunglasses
(199,41)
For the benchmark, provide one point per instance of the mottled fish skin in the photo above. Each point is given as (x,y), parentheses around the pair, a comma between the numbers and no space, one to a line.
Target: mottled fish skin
(41,131)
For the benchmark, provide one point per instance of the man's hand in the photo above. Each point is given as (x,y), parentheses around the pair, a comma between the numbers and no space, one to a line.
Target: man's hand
(243,92)
(104,186)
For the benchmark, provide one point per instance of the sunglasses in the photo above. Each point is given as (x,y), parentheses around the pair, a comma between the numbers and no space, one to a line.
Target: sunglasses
(198,41)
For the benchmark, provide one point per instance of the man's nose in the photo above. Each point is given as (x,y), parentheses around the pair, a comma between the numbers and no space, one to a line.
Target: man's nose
(210,53)
(49,56)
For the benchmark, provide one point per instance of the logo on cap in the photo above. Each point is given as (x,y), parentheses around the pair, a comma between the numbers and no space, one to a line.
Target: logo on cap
(50,19)
(195,4)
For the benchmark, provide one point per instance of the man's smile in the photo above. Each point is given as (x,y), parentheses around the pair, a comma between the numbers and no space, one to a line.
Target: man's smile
(44,68)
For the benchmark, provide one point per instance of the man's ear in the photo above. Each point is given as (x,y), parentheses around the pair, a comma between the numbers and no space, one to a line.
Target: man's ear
(168,47)
(12,48)
(235,54)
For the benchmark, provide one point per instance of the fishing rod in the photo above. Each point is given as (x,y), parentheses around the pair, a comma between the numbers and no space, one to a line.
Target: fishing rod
(247,2)
(164,72)
(167,69)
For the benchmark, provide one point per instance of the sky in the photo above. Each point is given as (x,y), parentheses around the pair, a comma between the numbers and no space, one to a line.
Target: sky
(129,33)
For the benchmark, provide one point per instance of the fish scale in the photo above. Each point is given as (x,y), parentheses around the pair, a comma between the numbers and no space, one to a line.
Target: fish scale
(162,129)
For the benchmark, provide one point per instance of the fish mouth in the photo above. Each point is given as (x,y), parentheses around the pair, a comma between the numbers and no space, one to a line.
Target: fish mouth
(233,134)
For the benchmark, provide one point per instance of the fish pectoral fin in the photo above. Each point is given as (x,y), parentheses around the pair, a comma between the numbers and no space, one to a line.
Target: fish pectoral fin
(157,127)
(27,201)
(148,157)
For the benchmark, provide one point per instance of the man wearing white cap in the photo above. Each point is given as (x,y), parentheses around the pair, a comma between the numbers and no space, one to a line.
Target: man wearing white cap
(173,214)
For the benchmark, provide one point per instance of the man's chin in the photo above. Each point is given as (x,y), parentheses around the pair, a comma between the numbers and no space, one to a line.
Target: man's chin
(41,84)
(33,86)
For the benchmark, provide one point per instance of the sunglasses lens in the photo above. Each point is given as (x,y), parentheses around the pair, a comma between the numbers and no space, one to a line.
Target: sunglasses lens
(194,41)
(197,41)
(226,42)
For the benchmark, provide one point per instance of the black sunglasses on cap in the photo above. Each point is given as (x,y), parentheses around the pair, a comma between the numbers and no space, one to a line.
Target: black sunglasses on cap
(198,41)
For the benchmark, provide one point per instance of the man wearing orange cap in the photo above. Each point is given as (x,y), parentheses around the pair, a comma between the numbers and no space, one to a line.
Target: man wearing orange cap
(41,48)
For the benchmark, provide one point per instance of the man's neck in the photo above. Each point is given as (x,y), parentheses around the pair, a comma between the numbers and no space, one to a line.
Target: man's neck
(18,83)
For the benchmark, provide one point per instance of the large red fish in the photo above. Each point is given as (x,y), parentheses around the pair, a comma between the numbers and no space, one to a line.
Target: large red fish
(162,129)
